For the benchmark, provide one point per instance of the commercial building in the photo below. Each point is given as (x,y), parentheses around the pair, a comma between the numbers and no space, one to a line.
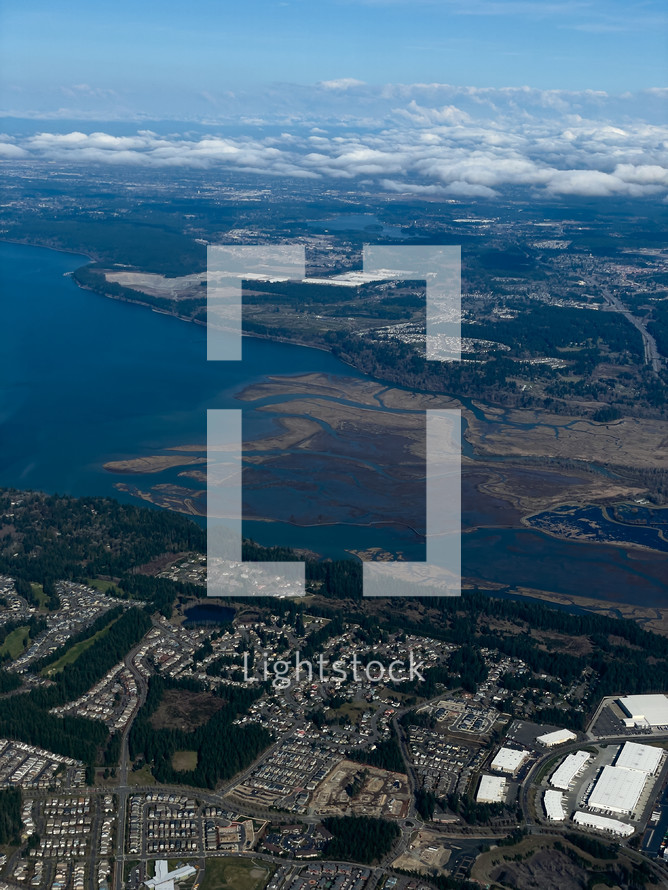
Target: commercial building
(553,801)
(645,711)
(509,760)
(644,758)
(165,879)
(558,737)
(492,789)
(602,823)
(617,790)
(570,767)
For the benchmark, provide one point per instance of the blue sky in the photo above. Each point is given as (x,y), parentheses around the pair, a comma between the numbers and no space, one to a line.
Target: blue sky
(443,98)
(164,58)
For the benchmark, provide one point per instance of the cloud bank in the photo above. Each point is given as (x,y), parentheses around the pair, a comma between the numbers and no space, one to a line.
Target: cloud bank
(422,139)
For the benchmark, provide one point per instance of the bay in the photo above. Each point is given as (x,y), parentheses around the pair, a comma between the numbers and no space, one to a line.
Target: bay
(85,380)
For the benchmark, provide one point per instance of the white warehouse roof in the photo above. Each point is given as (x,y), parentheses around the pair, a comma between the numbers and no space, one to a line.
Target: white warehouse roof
(602,823)
(568,770)
(648,709)
(509,760)
(164,878)
(558,737)
(617,789)
(554,806)
(492,789)
(641,757)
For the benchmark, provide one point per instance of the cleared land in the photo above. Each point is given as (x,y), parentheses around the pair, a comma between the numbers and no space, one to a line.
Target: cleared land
(428,852)
(184,761)
(180,709)
(236,874)
(383,794)
(154,285)
(538,862)
(141,777)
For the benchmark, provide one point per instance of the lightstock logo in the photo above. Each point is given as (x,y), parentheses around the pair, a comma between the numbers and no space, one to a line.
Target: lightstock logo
(440,573)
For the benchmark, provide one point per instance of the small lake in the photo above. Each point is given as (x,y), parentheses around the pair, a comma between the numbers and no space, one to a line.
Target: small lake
(208,613)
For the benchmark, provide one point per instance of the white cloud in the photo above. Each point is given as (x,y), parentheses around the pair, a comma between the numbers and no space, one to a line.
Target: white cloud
(9,151)
(428,139)
(343,83)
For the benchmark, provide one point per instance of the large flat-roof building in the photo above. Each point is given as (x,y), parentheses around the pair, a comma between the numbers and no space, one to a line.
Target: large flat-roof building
(644,758)
(617,790)
(553,802)
(492,789)
(165,879)
(558,737)
(645,710)
(509,760)
(568,769)
(602,823)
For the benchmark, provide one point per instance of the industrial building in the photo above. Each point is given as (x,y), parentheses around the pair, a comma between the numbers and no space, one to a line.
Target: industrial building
(602,823)
(645,711)
(570,767)
(492,789)
(558,737)
(509,760)
(553,802)
(644,758)
(617,790)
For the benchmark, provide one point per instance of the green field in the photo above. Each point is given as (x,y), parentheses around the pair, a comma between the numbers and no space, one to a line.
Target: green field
(236,874)
(98,584)
(352,710)
(40,596)
(142,776)
(72,654)
(13,645)
(184,761)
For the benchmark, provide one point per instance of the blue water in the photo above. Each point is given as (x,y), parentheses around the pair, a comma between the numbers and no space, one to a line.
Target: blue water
(85,379)
(208,613)
(358,222)
(593,522)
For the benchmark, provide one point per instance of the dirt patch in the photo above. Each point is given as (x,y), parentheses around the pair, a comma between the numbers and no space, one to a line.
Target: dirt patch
(383,794)
(545,870)
(158,285)
(578,646)
(180,709)
(542,863)
(160,563)
(428,852)
(184,761)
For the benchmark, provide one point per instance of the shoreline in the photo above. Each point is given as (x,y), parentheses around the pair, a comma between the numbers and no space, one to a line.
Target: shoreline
(623,545)
(48,247)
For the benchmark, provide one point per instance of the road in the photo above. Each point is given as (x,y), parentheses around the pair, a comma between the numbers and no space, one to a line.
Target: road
(407,826)
(122,790)
(653,357)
